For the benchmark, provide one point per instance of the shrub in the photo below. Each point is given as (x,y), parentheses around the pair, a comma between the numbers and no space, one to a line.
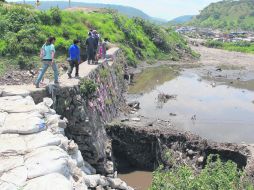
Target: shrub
(88,88)
(56,16)
(214,44)
(3,47)
(215,176)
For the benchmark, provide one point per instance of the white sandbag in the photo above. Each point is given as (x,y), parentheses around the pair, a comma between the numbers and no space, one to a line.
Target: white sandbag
(2,119)
(41,108)
(17,176)
(77,157)
(9,162)
(52,181)
(19,108)
(29,101)
(25,101)
(13,91)
(46,160)
(8,186)
(12,145)
(52,119)
(23,123)
(41,139)
(48,102)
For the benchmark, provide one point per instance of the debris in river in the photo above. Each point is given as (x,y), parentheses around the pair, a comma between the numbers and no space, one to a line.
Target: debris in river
(135,105)
(194,117)
(172,114)
(219,69)
(135,119)
(165,97)
(213,84)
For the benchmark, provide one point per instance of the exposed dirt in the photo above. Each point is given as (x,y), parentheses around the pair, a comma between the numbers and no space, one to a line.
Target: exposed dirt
(213,56)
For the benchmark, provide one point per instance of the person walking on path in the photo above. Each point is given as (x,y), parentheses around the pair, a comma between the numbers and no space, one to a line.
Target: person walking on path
(47,55)
(104,47)
(74,58)
(90,44)
(96,37)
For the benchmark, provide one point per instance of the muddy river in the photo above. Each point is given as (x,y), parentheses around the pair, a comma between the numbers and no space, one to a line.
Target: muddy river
(215,102)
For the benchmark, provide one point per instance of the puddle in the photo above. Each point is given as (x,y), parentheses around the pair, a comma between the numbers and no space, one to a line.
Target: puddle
(222,112)
(138,179)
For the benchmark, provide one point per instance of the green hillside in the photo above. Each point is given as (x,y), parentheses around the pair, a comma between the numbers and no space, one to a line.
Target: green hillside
(228,15)
(24,29)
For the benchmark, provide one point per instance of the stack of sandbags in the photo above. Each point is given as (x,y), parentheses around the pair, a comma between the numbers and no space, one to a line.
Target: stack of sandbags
(35,154)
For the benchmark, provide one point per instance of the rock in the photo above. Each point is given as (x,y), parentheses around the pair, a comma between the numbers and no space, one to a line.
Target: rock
(99,188)
(172,114)
(109,167)
(190,152)
(135,105)
(117,183)
(201,160)
(124,119)
(92,181)
(136,119)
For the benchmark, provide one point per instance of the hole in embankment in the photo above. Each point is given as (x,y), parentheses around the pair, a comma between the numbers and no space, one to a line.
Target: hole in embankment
(226,155)
(137,177)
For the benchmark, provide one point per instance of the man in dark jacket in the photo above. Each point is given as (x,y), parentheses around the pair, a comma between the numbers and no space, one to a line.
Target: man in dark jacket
(74,58)
(90,44)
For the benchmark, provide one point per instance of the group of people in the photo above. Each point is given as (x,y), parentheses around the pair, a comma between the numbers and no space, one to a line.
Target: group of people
(96,49)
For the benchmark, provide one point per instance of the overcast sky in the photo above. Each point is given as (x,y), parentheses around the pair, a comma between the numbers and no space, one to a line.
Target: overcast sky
(166,9)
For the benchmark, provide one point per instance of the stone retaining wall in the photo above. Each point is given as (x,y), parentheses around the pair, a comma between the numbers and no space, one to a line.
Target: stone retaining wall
(87,117)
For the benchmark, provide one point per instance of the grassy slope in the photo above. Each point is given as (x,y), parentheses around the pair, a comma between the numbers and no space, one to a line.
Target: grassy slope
(228,15)
(24,29)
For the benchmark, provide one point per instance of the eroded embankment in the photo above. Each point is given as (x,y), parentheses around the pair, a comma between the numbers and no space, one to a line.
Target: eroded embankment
(144,145)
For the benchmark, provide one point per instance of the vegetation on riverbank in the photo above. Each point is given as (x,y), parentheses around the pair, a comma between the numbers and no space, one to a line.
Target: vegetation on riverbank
(227,15)
(24,29)
(215,175)
(241,46)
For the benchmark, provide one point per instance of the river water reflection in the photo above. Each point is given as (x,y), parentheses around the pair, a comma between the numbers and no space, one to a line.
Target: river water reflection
(217,112)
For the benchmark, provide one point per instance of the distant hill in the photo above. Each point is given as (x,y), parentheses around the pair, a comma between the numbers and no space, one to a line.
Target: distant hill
(227,15)
(126,10)
(181,19)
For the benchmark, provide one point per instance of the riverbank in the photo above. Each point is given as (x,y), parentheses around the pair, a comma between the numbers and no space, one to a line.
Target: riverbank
(210,98)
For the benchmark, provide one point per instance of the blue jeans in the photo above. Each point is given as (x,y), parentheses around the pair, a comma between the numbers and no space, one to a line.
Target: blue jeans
(45,66)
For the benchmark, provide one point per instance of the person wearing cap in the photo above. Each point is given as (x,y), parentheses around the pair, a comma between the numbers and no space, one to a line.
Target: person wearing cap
(74,58)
